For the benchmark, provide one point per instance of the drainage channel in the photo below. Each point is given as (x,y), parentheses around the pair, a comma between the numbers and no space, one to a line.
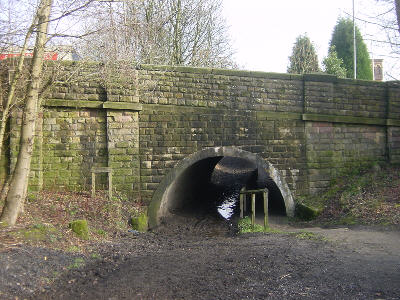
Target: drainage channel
(230,176)
(209,189)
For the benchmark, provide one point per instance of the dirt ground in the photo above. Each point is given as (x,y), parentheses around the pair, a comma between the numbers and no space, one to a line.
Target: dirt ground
(206,260)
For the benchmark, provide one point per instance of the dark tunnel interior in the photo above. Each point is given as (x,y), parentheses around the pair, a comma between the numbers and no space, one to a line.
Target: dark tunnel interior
(211,187)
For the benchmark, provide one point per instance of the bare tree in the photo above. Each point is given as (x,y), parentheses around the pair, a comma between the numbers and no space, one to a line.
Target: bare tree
(19,180)
(382,31)
(173,32)
(14,83)
(33,90)
(397,5)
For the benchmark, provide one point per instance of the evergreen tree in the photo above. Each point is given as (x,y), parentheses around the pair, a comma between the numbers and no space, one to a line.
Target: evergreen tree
(333,64)
(342,39)
(304,58)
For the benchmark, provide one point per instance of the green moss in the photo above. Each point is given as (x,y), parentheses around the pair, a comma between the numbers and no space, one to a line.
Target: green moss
(31,197)
(123,105)
(33,235)
(80,227)
(306,212)
(40,232)
(74,249)
(140,223)
(3,224)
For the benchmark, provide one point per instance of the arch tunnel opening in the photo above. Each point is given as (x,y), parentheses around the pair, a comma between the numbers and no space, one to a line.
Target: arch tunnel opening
(211,186)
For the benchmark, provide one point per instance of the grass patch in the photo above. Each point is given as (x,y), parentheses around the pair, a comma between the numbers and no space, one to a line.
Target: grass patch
(306,235)
(79,262)
(39,232)
(95,256)
(45,221)
(244,226)
(74,249)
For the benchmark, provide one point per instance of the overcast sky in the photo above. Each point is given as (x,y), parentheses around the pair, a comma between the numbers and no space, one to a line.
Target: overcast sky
(264,32)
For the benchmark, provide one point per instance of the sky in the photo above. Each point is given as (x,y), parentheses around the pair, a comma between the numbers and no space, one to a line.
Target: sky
(263,32)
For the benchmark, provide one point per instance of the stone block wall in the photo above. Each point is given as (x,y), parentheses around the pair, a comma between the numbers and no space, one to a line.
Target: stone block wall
(343,97)
(123,150)
(73,142)
(334,147)
(281,142)
(141,122)
(170,133)
(393,99)
(5,160)
(393,136)
(223,89)
(186,110)
(36,162)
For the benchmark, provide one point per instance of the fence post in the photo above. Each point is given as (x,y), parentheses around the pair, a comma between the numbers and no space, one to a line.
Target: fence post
(93,184)
(241,202)
(253,209)
(265,196)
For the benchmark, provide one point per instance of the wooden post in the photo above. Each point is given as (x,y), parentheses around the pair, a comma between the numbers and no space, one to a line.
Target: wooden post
(253,209)
(110,184)
(265,195)
(241,203)
(93,184)
(243,195)
(244,201)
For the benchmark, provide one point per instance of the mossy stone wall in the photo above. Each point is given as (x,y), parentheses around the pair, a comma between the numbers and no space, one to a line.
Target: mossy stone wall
(4,159)
(141,123)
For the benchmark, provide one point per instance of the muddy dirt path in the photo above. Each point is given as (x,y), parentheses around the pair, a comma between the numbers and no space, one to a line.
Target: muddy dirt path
(359,263)
(362,239)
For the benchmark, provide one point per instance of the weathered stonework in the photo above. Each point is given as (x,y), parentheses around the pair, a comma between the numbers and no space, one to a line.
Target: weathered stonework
(123,149)
(308,127)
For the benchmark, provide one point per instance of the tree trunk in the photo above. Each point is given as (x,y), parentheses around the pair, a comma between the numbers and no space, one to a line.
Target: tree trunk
(397,5)
(177,44)
(20,178)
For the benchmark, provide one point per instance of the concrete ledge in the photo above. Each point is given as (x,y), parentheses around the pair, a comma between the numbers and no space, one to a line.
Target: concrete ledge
(392,122)
(361,82)
(275,115)
(123,105)
(92,104)
(344,119)
(227,72)
(320,77)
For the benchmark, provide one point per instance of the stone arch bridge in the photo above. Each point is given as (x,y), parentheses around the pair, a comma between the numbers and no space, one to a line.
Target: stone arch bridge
(153,123)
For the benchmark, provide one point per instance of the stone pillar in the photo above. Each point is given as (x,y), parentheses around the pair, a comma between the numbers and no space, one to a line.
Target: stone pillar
(393,141)
(123,150)
(393,122)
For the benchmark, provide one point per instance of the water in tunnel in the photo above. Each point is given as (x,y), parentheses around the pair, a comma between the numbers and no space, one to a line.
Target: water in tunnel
(211,186)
